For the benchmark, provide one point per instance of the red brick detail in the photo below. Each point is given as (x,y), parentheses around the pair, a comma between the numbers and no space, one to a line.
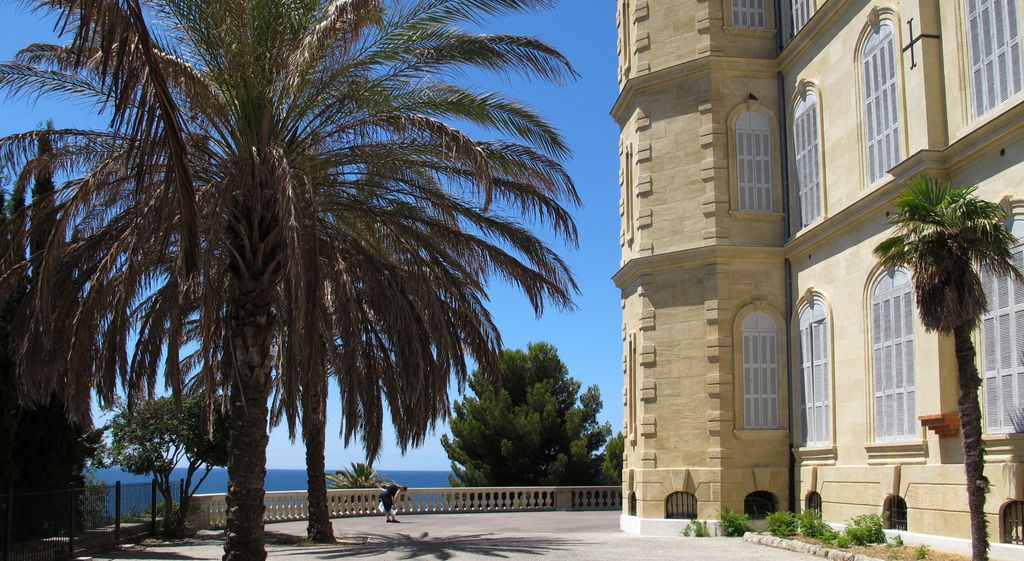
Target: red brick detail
(946,425)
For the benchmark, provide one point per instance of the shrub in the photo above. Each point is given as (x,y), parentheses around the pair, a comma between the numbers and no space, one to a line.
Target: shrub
(866,529)
(843,541)
(782,524)
(896,541)
(734,524)
(812,526)
(922,552)
(696,529)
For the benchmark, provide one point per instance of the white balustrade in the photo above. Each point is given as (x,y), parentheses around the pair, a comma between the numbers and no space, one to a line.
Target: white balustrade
(210,511)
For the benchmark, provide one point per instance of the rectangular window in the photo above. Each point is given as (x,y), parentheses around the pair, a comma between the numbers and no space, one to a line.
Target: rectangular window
(994,41)
(881,103)
(1003,356)
(816,396)
(892,314)
(801,11)
(748,13)
(754,163)
(760,373)
(808,174)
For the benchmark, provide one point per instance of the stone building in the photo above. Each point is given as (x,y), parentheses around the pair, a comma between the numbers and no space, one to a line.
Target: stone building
(768,362)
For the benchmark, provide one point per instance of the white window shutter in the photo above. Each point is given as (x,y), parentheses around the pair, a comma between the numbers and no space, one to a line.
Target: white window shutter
(748,13)
(1002,360)
(994,42)
(808,178)
(753,162)
(881,105)
(892,323)
(760,368)
(815,361)
(801,11)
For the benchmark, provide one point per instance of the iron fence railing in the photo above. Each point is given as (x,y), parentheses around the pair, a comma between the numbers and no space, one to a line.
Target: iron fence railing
(59,524)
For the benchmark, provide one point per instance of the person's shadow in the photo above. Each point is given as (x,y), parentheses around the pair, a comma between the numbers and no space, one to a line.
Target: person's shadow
(448,546)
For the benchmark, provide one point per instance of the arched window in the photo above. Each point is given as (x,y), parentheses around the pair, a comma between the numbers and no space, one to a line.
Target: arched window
(892,321)
(1002,329)
(815,406)
(681,505)
(759,504)
(881,101)
(994,38)
(748,13)
(1012,522)
(805,150)
(801,11)
(754,162)
(632,503)
(760,372)
(814,502)
(895,509)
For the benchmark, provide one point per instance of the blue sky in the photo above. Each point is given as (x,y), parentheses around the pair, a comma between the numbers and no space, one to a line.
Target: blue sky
(589,339)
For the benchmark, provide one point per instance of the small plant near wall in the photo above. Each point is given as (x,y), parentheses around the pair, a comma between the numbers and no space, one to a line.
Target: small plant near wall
(812,526)
(866,529)
(922,552)
(696,529)
(734,524)
(783,524)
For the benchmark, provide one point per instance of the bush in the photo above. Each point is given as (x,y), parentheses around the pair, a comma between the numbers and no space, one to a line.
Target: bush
(843,541)
(783,524)
(922,552)
(734,524)
(896,541)
(866,529)
(696,529)
(812,526)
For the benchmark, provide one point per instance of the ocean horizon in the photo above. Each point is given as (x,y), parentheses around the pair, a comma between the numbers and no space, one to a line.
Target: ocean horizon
(278,479)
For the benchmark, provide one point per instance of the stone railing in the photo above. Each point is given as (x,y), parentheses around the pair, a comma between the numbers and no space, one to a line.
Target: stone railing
(210,511)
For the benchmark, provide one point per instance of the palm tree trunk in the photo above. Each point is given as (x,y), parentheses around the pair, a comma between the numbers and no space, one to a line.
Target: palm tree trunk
(314,421)
(970,427)
(250,367)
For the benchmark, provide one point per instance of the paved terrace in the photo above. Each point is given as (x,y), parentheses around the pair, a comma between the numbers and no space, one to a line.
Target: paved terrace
(576,536)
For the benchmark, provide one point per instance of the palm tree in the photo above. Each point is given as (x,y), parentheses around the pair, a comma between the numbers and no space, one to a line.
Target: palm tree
(359,476)
(345,227)
(945,236)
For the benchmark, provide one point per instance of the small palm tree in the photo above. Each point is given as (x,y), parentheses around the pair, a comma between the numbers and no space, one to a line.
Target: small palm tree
(945,236)
(359,476)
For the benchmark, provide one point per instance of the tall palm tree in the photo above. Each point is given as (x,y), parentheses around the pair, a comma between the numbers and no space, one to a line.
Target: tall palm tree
(345,226)
(945,236)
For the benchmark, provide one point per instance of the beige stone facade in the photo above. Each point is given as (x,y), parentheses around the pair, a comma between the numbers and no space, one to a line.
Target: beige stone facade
(858,99)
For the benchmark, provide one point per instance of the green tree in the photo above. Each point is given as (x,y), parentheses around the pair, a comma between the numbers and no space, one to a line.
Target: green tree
(154,437)
(612,466)
(945,236)
(28,462)
(536,430)
(291,177)
(359,476)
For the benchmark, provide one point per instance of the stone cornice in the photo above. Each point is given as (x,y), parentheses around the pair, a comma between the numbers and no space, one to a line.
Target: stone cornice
(692,258)
(749,66)
(1004,128)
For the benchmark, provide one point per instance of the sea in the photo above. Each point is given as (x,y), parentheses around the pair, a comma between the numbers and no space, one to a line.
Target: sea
(277,479)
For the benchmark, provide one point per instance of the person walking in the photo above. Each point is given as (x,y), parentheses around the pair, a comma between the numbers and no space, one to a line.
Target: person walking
(388,496)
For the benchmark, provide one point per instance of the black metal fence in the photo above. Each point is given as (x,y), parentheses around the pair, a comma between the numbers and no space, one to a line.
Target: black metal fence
(53,525)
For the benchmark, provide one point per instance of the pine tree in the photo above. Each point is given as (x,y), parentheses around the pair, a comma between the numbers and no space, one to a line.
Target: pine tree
(535,430)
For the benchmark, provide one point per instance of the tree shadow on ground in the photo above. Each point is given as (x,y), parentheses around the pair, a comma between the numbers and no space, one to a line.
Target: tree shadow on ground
(443,547)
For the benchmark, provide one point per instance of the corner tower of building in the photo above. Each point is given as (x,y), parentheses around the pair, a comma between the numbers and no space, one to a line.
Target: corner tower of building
(702,260)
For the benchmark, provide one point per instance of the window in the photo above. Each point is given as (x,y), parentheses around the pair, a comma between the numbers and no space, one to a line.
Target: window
(814,365)
(994,38)
(759,504)
(681,505)
(632,503)
(760,373)
(1003,339)
(892,320)
(754,162)
(1013,523)
(801,10)
(814,502)
(808,169)
(631,386)
(881,104)
(626,36)
(895,509)
(748,13)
